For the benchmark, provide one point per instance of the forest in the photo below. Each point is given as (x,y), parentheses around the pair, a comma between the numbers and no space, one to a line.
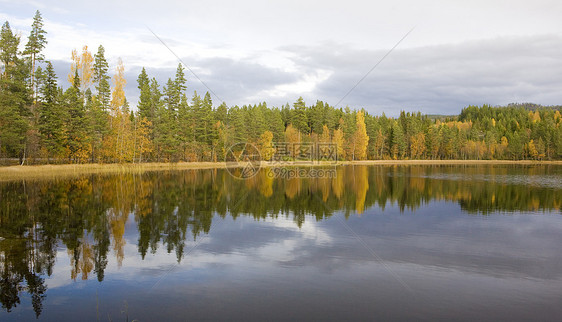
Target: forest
(92,122)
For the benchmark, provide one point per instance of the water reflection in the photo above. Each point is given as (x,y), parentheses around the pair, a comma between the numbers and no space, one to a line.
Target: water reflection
(89,215)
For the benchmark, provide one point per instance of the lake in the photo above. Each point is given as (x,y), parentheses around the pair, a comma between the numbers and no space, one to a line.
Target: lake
(449,242)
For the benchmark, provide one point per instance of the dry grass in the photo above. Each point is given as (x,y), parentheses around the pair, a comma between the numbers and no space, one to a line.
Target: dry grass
(71,170)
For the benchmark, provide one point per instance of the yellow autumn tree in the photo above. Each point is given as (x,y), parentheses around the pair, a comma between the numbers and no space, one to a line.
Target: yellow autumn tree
(119,82)
(83,64)
(338,140)
(417,147)
(534,116)
(360,138)
(325,136)
(292,137)
(501,149)
(265,145)
(532,149)
(557,116)
(74,66)
(119,145)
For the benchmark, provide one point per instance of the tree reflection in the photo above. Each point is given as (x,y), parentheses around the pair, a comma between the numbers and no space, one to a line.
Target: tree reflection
(89,215)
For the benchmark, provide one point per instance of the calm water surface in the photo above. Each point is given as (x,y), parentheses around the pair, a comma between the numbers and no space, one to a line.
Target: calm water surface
(373,243)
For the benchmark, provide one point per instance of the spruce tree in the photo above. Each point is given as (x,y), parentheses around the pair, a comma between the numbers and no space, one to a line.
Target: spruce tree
(299,118)
(144,105)
(76,125)
(52,115)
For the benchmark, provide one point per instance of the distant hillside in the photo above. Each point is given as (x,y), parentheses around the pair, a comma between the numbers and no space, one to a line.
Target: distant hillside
(533,106)
(441,117)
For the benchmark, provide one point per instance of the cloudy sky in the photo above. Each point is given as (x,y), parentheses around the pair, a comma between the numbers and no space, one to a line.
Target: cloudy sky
(248,51)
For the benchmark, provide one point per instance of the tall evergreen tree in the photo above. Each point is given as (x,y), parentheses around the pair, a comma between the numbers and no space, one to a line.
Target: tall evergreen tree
(276,125)
(399,144)
(9,43)
(52,116)
(101,78)
(15,97)
(145,104)
(299,118)
(76,124)
(207,120)
(36,43)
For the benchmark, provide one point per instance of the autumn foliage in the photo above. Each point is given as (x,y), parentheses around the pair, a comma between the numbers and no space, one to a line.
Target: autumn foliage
(92,121)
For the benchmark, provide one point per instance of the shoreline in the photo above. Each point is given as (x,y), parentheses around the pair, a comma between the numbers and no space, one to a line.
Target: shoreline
(16,172)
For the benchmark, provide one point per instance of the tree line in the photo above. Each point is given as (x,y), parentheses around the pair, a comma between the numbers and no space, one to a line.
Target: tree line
(91,121)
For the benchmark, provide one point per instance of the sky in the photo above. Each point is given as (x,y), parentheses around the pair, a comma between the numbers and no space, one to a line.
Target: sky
(457,53)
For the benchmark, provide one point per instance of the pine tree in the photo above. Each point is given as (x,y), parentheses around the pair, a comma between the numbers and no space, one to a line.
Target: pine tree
(101,79)
(36,43)
(9,43)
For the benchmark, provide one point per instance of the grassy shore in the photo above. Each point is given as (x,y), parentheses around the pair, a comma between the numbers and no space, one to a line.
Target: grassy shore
(69,170)
(10,173)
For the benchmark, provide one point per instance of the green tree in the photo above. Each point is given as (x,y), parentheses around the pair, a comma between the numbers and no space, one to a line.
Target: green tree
(145,101)
(299,117)
(76,138)
(52,116)
(101,78)
(399,144)
(36,43)
(9,43)
(15,97)
(276,125)
(237,121)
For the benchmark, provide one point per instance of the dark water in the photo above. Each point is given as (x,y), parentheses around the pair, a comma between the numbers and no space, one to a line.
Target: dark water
(373,243)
